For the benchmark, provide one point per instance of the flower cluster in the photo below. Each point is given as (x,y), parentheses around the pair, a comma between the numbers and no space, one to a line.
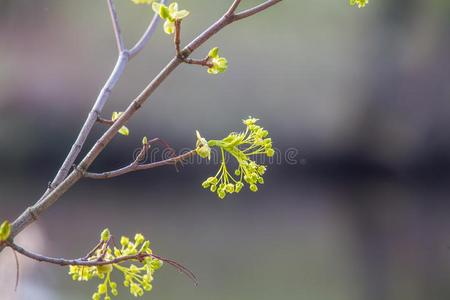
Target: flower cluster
(137,277)
(170,14)
(123,130)
(5,231)
(359,3)
(219,64)
(242,146)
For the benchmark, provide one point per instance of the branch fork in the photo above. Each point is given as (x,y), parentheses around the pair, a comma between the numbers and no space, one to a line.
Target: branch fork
(64,180)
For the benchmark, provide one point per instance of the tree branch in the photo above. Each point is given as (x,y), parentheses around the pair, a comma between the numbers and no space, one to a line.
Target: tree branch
(116,26)
(33,212)
(105,92)
(99,262)
(135,166)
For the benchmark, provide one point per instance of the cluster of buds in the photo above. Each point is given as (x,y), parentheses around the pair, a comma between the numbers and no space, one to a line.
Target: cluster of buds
(170,14)
(242,147)
(137,277)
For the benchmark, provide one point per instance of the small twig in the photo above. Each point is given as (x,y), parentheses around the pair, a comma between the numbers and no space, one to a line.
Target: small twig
(116,26)
(17,270)
(182,55)
(254,10)
(90,253)
(233,8)
(105,249)
(179,267)
(201,62)
(133,167)
(177,38)
(104,121)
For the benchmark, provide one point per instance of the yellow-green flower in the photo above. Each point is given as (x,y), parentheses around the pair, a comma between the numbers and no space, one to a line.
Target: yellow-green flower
(170,14)
(203,149)
(219,64)
(137,277)
(359,3)
(243,147)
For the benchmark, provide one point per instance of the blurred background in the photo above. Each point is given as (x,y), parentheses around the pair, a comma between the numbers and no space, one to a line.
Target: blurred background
(361,209)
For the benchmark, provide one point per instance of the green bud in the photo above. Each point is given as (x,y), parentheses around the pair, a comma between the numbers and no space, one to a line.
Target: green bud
(139,238)
(213,188)
(102,289)
(253,188)
(230,188)
(254,177)
(214,52)
(205,184)
(5,231)
(156,263)
(261,170)
(145,246)
(105,235)
(124,131)
(203,149)
(164,12)
(239,186)
(270,152)
(144,141)
(124,241)
(237,172)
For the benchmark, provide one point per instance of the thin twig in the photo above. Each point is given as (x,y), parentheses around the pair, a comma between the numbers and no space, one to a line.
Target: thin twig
(134,167)
(104,121)
(254,10)
(17,270)
(90,253)
(201,62)
(116,26)
(181,55)
(177,38)
(231,11)
(33,212)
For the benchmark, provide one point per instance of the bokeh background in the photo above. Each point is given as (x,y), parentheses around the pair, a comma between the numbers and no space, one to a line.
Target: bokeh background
(362,211)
